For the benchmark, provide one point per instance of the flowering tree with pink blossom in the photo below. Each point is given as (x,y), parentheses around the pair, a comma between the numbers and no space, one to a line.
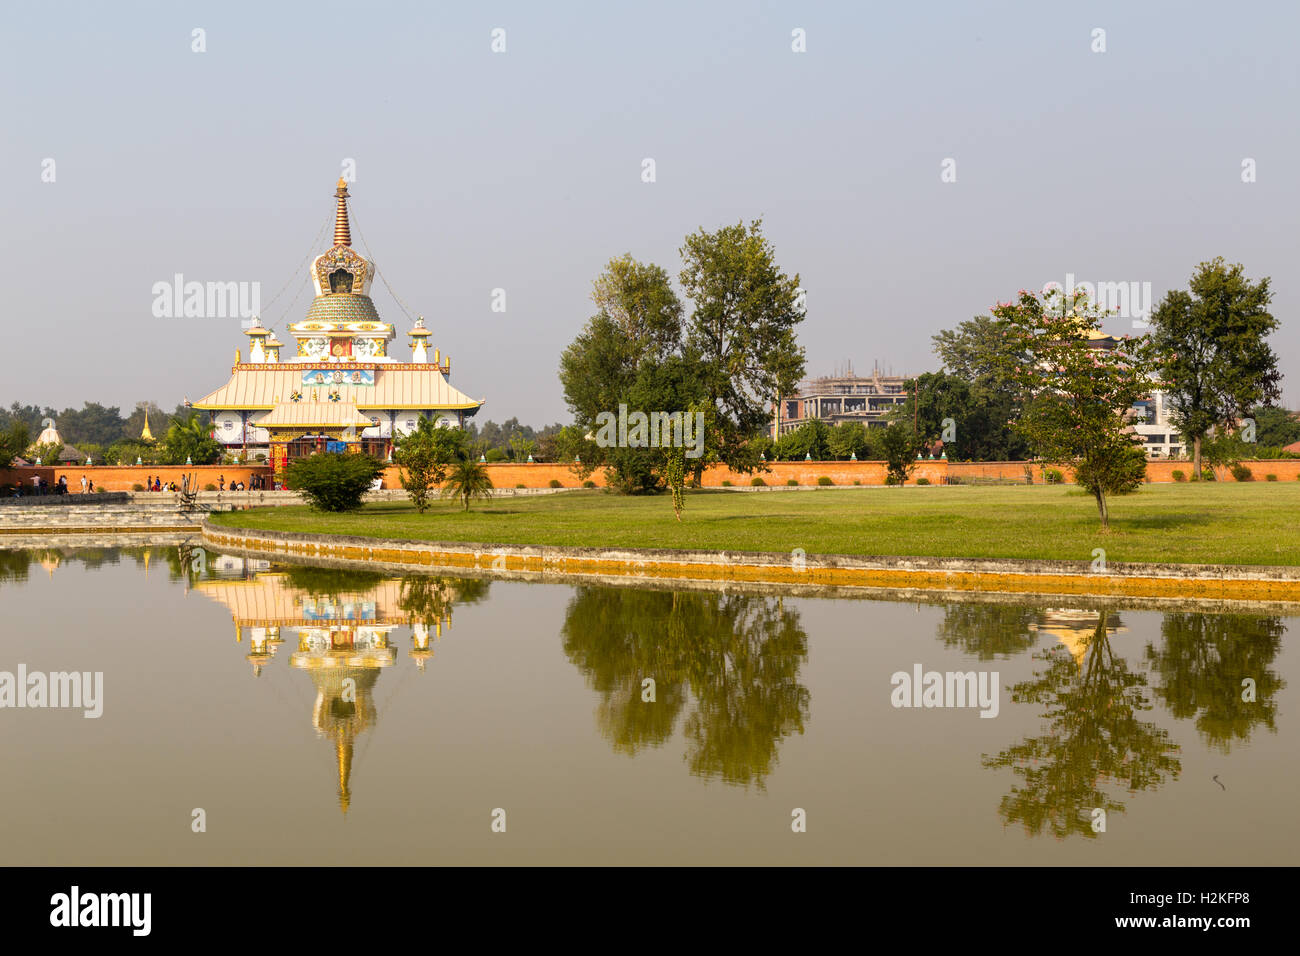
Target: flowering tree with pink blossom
(1079,387)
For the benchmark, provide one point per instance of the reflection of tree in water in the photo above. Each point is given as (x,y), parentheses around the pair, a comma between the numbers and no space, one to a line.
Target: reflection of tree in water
(1091,703)
(331,582)
(428,598)
(736,657)
(14,565)
(988,631)
(1202,663)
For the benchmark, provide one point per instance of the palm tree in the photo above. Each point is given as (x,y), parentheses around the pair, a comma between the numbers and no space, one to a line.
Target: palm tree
(191,437)
(467,479)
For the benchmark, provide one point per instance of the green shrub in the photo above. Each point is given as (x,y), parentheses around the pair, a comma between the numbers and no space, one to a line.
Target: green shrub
(137,487)
(1241,473)
(1053,476)
(101,491)
(1270,477)
(856,481)
(923,481)
(1179,475)
(209,487)
(556,483)
(725,483)
(757,482)
(589,484)
(520,485)
(333,482)
(1207,474)
(893,480)
(792,483)
(824,481)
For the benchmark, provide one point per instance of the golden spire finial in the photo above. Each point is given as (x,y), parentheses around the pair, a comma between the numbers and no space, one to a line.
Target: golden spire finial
(343,751)
(342,235)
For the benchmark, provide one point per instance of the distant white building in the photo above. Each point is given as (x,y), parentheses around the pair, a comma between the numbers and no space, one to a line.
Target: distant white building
(1151,421)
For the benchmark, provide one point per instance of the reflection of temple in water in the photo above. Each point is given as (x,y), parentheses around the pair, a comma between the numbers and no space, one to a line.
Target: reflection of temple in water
(344,638)
(1076,628)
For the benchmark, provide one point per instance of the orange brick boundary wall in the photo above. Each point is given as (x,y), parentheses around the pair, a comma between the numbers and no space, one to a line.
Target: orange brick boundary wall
(539,475)
(122,478)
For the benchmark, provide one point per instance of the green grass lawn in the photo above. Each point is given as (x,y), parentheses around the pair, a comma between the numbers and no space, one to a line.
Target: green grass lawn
(1211,523)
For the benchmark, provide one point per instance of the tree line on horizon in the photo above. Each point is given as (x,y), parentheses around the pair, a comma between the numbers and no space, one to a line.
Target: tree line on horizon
(1022,383)
(103,434)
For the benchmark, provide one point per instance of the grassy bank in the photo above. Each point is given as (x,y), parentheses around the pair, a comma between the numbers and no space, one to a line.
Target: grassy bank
(1228,523)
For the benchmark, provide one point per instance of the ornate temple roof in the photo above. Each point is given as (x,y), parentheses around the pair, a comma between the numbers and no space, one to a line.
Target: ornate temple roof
(271,599)
(314,415)
(396,388)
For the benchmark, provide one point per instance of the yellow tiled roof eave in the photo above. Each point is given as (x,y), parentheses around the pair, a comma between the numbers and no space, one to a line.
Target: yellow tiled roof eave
(406,388)
(314,415)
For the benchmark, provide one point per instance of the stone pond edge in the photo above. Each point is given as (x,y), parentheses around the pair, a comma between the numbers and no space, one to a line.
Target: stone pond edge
(1206,582)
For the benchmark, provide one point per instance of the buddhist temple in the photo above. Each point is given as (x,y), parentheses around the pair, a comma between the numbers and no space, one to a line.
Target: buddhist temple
(343,387)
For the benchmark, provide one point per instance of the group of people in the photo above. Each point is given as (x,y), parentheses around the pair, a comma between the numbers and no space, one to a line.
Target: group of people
(256,483)
(42,487)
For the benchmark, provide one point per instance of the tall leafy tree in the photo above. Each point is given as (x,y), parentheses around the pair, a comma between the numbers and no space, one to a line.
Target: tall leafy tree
(1215,360)
(13,442)
(637,328)
(811,439)
(1079,396)
(979,352)
(745,310)
(92,424)
(849,439)
(981,430)
(1275,426)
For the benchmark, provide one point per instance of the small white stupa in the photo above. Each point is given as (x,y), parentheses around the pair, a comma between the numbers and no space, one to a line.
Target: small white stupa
(50,436)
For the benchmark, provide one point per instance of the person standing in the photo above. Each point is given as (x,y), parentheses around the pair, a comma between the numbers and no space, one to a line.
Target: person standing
(83,484)
(221,483)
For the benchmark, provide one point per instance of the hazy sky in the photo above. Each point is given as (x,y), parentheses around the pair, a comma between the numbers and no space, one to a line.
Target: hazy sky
(522,170)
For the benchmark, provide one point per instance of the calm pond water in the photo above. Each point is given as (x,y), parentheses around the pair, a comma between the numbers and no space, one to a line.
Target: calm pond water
(319,716)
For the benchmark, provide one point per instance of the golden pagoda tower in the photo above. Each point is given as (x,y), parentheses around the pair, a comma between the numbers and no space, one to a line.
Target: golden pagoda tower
(146,435)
